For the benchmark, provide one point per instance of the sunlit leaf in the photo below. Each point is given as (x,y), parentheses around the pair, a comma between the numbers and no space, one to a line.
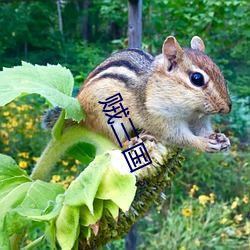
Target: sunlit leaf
(67,226)
(53,82)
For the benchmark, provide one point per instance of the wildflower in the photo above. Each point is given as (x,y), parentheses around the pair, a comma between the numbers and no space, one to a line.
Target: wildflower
(24,155)
(29,124)
(223,220)
(203,199)
(187,211)
(35,159)
(238,233)
(211,195)
(245,199)
(73,168)
(234,152)
(23,164)
(70,178)
(223,235)
(14,123)
(6,113)
(224,164)
(55,178)
(238,218)
(65,185)
(4,134)
(183,248)
(77,162)
(193,190)
(65,163)
(235,203)
(247,227)
(197,242)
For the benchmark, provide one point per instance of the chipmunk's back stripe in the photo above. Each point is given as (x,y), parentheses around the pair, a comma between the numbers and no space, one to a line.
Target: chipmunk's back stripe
(142,53)
(118,77)
(118,63)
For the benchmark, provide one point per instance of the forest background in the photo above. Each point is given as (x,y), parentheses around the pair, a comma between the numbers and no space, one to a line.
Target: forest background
(207,205)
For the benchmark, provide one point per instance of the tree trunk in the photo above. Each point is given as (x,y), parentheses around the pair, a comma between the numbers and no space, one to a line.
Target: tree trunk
(85,33)
(135,23)
(131,238)
(59,16)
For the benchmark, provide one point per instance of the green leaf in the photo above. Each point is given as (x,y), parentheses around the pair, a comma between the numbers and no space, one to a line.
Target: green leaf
(118,188)
(67,226)
(9,168)
(83,152)
(39,194)
(86,218)
(112,208)
(53,82)
(34,243)
(6,186)
(83,189)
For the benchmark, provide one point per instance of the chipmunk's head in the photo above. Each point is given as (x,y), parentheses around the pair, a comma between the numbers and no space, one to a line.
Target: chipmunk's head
(194,77)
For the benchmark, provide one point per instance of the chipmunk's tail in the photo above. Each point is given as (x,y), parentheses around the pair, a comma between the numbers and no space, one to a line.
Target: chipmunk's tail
(50,117)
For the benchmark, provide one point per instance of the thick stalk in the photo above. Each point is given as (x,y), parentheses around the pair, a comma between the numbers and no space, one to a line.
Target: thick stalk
(57,147)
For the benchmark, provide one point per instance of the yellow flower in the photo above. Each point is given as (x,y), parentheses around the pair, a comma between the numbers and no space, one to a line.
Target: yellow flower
(211,195)
(70,178)
(24,154)
(14,123)
(29,124)
(193,190)
(197,242)
(65,185)
(6,113)
(223,220)
(247,227)
(203,199)
(4,134)
(55,178)
(187,211)
(234,152)
(238,218)
(245,199)
(235,203)
(23,164)
(183,248)
(35,159)
(73,168)
(77,162)
(224,164)
(65,163)
(223,235)
(238,233)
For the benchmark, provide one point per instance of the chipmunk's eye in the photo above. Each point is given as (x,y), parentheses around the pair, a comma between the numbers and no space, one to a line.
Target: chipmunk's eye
(197,79)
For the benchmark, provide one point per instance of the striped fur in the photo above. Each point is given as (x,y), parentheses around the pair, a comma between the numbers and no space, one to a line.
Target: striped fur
(160,96)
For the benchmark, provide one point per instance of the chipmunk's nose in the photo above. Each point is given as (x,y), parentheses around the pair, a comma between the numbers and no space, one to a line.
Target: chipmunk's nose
(227,108)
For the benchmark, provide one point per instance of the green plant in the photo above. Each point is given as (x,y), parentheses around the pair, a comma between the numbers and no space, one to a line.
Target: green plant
(101,204)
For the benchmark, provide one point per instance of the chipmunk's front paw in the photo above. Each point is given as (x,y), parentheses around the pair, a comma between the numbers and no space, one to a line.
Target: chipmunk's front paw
(142,137)
(218,142)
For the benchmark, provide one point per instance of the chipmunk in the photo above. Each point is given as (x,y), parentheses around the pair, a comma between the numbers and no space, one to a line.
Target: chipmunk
(170,96)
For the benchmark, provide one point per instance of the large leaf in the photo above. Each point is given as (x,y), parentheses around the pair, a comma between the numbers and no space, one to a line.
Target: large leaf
(21,197)
(67,226)
(9,168)
(53,82)
(118,188)
(83,152)
(83,189)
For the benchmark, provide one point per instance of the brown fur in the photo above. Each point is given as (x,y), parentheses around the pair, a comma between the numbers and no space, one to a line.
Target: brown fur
(158,92)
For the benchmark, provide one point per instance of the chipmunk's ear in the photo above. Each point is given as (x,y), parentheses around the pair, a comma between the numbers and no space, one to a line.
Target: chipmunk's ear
(171,49)
(197,43)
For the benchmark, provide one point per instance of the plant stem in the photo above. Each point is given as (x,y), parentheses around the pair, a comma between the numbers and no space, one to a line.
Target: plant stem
(57,147)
